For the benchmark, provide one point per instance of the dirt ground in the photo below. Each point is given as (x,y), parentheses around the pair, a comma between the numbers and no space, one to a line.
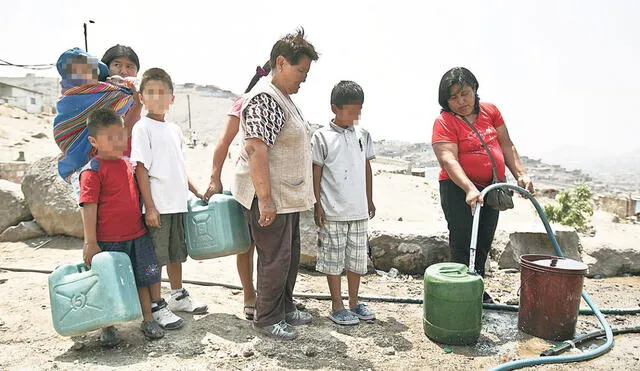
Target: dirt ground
(223,339)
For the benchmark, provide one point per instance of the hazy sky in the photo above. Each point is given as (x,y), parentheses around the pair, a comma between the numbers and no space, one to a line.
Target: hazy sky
(563,73)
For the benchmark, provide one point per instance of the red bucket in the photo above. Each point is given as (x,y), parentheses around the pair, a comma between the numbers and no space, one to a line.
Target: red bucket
(550,293)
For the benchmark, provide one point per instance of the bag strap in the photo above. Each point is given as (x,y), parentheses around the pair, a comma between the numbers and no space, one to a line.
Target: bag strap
(493,162)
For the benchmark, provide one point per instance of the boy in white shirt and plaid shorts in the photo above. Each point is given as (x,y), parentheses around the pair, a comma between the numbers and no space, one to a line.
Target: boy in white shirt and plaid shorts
(342,186)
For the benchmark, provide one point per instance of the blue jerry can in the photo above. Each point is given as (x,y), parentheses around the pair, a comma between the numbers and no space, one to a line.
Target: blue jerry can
(217,228)
(84,300)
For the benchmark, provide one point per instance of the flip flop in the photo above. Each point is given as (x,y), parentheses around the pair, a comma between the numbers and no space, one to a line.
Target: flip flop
(248,312)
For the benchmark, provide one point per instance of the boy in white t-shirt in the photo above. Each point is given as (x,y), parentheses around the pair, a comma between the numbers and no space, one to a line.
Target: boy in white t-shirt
(157,153)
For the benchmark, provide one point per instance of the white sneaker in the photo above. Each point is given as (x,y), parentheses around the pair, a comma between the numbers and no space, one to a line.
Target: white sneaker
(185,303)
(165,317)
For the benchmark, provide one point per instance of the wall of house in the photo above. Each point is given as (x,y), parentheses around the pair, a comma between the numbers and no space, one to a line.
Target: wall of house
(24,99)
(622,207)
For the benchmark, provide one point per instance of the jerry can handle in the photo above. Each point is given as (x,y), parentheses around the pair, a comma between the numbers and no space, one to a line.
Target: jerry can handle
(197,201)
(452,270)
(82,267)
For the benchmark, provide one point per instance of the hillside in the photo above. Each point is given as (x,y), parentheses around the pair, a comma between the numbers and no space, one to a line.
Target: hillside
(612,175)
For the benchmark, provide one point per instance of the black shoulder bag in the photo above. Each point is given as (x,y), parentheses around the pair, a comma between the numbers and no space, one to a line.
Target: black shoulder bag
(499,198)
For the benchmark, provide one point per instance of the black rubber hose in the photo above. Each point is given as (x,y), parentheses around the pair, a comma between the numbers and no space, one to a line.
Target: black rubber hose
(385,299)
(567,344)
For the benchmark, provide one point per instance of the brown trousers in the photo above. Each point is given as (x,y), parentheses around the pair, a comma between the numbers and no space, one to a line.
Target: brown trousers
(278,246)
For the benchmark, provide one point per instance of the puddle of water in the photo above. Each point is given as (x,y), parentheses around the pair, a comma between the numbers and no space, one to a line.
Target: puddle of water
(500,335)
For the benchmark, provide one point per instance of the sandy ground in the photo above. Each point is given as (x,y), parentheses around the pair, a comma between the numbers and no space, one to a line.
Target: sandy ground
(223,339)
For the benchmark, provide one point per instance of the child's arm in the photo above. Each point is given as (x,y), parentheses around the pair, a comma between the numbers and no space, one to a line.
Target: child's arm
(220,154)
(318,214)
(369,180)
(195,190)
(89,223)
(318,154)
(151,216)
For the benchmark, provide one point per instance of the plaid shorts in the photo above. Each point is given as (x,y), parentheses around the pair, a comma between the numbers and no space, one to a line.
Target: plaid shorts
(142,255)
(343,246)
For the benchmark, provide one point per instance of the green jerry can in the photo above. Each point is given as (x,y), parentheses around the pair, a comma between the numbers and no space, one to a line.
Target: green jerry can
(217,228)
(452,304)
(88,299)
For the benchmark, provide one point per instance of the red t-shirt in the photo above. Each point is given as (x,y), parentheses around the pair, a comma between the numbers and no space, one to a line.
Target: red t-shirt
(472,156)
(110,184)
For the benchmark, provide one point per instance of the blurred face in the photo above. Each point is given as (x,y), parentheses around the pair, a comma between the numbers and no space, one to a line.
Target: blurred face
(462,99)
(110,141)
(84,73)
(292,75)
(348,115)
(156,97)
(124,67)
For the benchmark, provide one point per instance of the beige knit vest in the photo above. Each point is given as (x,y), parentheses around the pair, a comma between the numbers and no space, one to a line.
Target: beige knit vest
(290,166)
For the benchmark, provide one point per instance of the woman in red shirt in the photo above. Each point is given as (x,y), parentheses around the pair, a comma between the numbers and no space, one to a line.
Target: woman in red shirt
(466,166)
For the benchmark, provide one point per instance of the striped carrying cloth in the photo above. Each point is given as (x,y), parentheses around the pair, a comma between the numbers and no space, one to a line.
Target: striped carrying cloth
(70,125)
(80,98)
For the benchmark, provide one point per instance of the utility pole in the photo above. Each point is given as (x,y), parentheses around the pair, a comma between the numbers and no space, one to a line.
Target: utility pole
(189,106)
(84,26)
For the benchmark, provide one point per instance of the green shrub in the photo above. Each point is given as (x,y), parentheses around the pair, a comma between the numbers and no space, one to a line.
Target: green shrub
(573,208)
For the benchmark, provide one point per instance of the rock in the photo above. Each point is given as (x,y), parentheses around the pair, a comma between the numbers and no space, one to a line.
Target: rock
(390,352)
(606,259)
(310,352)
(77,346)
(308,240)
(14,208)
(512,301)
(537,242)
(248,353)
(393,273)
(51,199)
(309,243)
(22,231)
(39,136)
(408,253)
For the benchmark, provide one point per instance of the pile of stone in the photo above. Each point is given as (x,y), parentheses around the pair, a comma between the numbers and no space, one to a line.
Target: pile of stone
(42,205)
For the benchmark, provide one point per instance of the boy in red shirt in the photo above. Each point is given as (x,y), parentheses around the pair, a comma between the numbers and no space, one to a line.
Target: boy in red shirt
(112,218)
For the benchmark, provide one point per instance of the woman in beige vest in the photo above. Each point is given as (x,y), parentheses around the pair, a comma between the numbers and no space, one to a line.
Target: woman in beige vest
(274,183)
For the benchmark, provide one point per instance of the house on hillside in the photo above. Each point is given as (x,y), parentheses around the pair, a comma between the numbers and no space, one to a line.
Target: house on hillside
(26,99)
(623,207)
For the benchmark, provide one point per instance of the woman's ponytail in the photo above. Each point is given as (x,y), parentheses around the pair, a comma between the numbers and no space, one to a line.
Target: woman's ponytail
(260,72)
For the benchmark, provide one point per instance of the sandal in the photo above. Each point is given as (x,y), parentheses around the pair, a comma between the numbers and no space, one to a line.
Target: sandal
(249,311)
(152,330)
